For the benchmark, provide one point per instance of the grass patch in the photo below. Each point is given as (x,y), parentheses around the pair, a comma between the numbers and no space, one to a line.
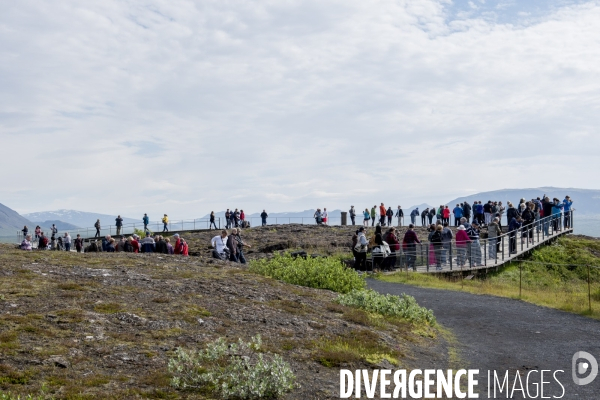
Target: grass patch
(109,308)
(292,307)
(320,273)
(190,314)
(358,346)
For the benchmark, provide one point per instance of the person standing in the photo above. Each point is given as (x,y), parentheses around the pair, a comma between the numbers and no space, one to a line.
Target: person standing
(78,243)
(458,213)
(236,218)
(38,232)
(390,215)
(119,224)
(424,216)
(67,241)
(567,203)
(360,250)
(528,221)
(373,215)
(513,227)
(264,216)
(493,233)
(547,209)
(146,221)
(556,211)
(446,215)
(400,215)
(43,242)
(227,219)
(446,243)
(165,221)
(432,214)
(54,230)
(467,211)
(325,216)
(352,214)
(241,244)
(436,241)
(409,244)
(487,212)
(366,217)
(242,218)
(413,216)
(382,212)
(232,246)
(394,244)
(473,232)
(212,221)
(462,241)
(97,226)
(25,231)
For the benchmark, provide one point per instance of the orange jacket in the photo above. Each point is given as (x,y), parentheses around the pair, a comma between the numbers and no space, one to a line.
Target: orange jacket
(382,210)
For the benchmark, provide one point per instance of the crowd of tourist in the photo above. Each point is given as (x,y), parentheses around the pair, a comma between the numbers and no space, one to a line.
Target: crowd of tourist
(527,217)
(469,219)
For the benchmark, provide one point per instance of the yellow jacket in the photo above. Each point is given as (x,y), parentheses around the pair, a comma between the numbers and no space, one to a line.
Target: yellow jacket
(165,220)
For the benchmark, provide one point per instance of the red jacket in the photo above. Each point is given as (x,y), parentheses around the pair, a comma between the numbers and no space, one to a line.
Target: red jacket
(177,243)
(182,248)
(462,238)
(446,213)
(392,240)
(135,245)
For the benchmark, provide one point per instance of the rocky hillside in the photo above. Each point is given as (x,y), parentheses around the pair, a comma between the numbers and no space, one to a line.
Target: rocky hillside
(105,325)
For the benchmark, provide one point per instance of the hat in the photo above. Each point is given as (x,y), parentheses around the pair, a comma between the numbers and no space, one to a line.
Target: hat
(475,223)
(461,228)
(176,235)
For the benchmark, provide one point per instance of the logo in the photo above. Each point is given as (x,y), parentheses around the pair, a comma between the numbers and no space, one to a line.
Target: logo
(580,367)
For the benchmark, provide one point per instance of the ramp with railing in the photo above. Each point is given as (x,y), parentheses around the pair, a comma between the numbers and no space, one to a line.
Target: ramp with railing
(479,254)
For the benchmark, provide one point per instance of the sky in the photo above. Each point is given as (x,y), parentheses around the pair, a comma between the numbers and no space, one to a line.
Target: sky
(183,107)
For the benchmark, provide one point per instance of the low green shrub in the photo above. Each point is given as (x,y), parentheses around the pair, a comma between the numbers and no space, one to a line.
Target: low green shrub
(237,370)
(403,306)
(320,273)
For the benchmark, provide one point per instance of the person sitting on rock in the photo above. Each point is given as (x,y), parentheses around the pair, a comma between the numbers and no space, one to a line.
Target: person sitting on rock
(219,244)
(26,243)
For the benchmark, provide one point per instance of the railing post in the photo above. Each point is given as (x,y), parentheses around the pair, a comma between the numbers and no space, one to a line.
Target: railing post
(485,245)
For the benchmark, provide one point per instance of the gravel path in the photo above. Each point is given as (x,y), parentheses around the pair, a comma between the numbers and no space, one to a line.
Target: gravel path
(502,334)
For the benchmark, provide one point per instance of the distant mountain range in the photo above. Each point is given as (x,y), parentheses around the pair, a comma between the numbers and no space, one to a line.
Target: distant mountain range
(61,226)
(75,218)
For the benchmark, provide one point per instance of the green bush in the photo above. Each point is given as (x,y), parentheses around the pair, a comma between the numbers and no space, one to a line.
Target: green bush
(236,371)
(320,273)
(141,232)
(403,306)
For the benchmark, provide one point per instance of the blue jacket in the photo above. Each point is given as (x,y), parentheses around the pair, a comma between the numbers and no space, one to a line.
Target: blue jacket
(556,208)
(514,225)
(567,205)
(146,220)
(479,209)
(458,212)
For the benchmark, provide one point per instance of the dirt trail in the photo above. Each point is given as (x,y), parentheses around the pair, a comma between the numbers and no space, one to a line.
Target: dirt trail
(502,334)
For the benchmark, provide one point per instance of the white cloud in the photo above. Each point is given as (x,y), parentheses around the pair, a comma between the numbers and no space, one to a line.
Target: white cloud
(183,107)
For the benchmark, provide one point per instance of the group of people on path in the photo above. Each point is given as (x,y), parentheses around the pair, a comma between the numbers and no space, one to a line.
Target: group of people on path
(467,248)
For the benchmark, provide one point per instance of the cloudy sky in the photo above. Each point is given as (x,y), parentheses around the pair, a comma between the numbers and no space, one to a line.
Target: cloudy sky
(185,106)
